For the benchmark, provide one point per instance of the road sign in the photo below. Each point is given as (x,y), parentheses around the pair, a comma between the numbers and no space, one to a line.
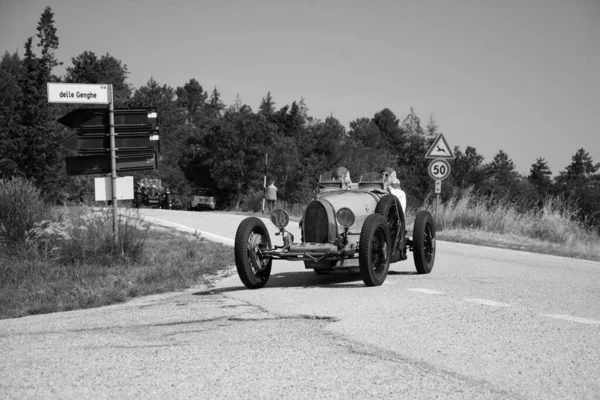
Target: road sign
(135,129)
(101,164)
(440,149)
(82,93)
(95,120)
(103,188)
(438,187)
(439,169)
(100,143)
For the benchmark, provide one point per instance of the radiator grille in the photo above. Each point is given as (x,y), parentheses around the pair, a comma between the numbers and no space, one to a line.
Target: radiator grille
(315,223)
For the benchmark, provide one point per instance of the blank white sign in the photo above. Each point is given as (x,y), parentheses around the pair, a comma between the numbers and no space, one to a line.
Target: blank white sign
(103,188)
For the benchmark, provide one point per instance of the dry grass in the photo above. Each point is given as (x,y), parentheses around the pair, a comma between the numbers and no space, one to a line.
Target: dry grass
(550,228)
(70,263)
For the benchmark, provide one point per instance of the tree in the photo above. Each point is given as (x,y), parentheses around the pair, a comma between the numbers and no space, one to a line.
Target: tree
(366,132)
(580,182)
(267,106)
(215,106)
(467,168)
(30,143)
(412,124)
(233,151)
(87,68)
(540,177)
(10,92)
(501,175)
(192,98)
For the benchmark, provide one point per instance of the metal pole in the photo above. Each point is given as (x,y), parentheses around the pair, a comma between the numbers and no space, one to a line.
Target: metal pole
(265,182)
(437,204)
(113,163)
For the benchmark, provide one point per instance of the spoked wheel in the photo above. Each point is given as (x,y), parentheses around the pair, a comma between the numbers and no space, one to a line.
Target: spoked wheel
(424,242)
(374,250)
(389,206)
(251,239)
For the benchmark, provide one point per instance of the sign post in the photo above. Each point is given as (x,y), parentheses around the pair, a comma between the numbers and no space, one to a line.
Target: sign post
(439,168)
(100,130)
(113,162)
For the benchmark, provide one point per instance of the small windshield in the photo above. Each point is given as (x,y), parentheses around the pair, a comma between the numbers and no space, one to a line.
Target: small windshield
(371,177)
(203,192)
(330,177)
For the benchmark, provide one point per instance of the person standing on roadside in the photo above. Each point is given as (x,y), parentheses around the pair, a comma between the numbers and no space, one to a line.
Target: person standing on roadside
(271,196)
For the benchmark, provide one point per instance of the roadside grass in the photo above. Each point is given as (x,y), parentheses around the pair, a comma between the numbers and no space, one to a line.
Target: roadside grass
(549,228)
(70,262)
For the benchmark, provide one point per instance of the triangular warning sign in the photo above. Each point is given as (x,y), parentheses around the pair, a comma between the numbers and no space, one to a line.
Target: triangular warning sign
(440,149)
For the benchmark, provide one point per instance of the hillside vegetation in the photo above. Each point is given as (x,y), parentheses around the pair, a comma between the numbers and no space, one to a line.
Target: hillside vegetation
(230,148)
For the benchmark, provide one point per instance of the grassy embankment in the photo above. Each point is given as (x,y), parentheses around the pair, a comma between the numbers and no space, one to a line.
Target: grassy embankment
(58,259)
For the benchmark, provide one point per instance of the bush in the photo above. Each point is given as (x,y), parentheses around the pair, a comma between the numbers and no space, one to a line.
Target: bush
(82,235)
(21,206)
(553,221)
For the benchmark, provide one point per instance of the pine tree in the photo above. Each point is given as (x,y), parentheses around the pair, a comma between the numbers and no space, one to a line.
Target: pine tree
(267,106)
(215,106)
(540,177)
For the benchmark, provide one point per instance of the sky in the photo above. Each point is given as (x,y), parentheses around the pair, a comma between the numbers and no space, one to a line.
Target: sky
(522,76)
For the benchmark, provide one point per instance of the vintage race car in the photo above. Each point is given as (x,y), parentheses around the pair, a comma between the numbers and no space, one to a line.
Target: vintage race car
(357,227)
(149,192)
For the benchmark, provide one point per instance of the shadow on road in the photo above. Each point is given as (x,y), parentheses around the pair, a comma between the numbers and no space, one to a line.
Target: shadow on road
(307,279)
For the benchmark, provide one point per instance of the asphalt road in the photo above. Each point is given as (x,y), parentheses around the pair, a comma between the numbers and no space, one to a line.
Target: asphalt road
(486,323)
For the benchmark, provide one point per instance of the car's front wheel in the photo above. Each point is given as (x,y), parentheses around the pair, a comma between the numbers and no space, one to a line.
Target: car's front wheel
(374,250)
(251,239)
(424,242)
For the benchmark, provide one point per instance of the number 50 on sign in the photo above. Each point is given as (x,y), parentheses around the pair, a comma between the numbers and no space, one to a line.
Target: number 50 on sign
(439,169)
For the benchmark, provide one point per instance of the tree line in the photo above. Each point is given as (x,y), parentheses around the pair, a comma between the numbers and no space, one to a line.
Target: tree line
(207,143)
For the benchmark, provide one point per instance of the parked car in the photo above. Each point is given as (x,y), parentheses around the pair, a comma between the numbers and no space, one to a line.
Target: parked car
(149,192)
(203,199)
(358,227)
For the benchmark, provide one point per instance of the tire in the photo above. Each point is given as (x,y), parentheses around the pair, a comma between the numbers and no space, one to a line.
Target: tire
(389,206)
(424,242)
(251,236)
(374,250)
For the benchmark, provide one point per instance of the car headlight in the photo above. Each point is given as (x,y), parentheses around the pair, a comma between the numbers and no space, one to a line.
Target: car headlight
(280,218)
(345,217)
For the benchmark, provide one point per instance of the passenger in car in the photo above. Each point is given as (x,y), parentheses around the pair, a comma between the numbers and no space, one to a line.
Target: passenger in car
(392,184)
(345,177)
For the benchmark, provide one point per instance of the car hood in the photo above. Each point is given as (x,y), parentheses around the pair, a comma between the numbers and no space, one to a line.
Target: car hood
(361,202)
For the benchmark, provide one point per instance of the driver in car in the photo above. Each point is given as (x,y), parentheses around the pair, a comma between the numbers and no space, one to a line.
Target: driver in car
(392,184)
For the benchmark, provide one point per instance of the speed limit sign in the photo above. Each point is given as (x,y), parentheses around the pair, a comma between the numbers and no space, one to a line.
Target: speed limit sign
(439,169)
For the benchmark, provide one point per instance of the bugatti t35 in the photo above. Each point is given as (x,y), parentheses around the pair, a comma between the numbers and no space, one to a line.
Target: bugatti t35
(361,228)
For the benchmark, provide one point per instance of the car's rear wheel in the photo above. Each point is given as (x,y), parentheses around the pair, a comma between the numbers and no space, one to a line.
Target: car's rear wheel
(374,250)
(389,206)
(251,239)
(424,242)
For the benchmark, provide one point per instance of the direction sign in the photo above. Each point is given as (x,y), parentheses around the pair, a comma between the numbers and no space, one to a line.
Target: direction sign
(101,164)
(439,169)
(95,120)
(83,93)
(440,149)
(99,143)
(135,131)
